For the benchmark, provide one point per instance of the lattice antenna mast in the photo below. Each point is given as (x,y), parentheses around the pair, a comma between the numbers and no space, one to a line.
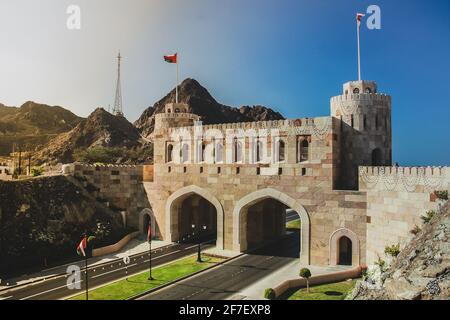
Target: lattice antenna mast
(117,109)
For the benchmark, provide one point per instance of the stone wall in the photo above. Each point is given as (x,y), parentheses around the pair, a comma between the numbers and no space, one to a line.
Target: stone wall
(396,199)
(121,185)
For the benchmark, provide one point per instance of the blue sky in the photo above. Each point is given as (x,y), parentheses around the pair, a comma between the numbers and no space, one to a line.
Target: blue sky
(290,55)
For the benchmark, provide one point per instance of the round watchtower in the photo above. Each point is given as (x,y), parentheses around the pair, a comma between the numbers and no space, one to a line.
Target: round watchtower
(365,129)
(175,115)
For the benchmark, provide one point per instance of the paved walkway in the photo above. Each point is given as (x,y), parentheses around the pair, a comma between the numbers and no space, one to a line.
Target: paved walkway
(290,271)
(135,246)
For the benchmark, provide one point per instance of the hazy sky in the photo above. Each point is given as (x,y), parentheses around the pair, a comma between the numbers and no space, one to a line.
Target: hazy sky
(290,55)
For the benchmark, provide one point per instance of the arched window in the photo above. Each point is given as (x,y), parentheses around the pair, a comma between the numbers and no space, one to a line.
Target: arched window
(219,152)
(237,150)
(202,153)
(177,110)
(169,153)
(281,150)
(185,153)
(303,150)
(259,150)
(368,90)
(364,122)
(356,90)
(376,157)
(168,110)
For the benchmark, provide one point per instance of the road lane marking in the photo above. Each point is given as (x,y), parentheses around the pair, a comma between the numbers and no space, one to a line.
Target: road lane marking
(47,291)
(5,298)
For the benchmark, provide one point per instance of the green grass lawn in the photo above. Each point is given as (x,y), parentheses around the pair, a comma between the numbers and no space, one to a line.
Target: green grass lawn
(294,224)
(331,291)
(139,283)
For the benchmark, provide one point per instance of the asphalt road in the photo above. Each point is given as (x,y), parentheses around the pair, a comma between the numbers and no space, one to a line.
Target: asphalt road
(56,288)
(228,279)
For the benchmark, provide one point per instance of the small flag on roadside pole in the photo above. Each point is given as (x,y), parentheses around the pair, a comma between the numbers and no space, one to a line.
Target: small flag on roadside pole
(173,58)
(81,249)
(149,233)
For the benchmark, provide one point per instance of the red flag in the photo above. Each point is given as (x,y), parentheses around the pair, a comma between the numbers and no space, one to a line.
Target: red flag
(358,17)
(149,233)
(171,58)
(81,249)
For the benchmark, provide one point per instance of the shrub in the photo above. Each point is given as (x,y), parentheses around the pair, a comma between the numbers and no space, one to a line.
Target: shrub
(428,216)
(415,230)
(37,171)
(393,250)
(381,264)
(305,273)
(443,195)
(269,293)
(99,155)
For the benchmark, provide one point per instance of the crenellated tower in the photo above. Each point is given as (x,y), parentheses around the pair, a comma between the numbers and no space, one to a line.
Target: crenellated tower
(365,132)
(174,115)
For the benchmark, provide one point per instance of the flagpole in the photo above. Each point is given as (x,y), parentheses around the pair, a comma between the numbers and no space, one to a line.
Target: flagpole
(150,257)
(176,88)
(359,50)
(86,273)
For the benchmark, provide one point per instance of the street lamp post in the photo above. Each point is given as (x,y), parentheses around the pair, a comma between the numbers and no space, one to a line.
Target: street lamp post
(199,256)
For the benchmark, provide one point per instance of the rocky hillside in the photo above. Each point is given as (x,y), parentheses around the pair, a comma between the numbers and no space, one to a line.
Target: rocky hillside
(42,220)
(33,124)
(203,104)
(100,129)
(422,269)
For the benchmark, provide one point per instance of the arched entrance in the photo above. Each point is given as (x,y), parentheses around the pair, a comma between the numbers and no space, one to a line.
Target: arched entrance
(344,248)
(272,223)
(345,251)
(146,216)
(193,205)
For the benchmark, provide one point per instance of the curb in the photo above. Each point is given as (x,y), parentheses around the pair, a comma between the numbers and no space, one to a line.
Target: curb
(54,276)
(139,295)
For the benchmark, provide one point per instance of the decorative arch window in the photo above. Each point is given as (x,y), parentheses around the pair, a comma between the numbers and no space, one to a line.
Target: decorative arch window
(368,90)
(356,90)
(219,152)
(177,110)
(281,150)
(303,149)
(185,153)
(237,150)
(202,153)
(376,157)
(259,150)
(169,111)
(169,155)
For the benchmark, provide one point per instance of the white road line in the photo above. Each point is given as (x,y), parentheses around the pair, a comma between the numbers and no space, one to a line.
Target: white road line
(4,298)
(57,288)
(50,290)
(99,275)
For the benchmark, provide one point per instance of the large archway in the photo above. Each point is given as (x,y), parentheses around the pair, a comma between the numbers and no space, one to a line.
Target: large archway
(193,205)
(241,214)
(344,248)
